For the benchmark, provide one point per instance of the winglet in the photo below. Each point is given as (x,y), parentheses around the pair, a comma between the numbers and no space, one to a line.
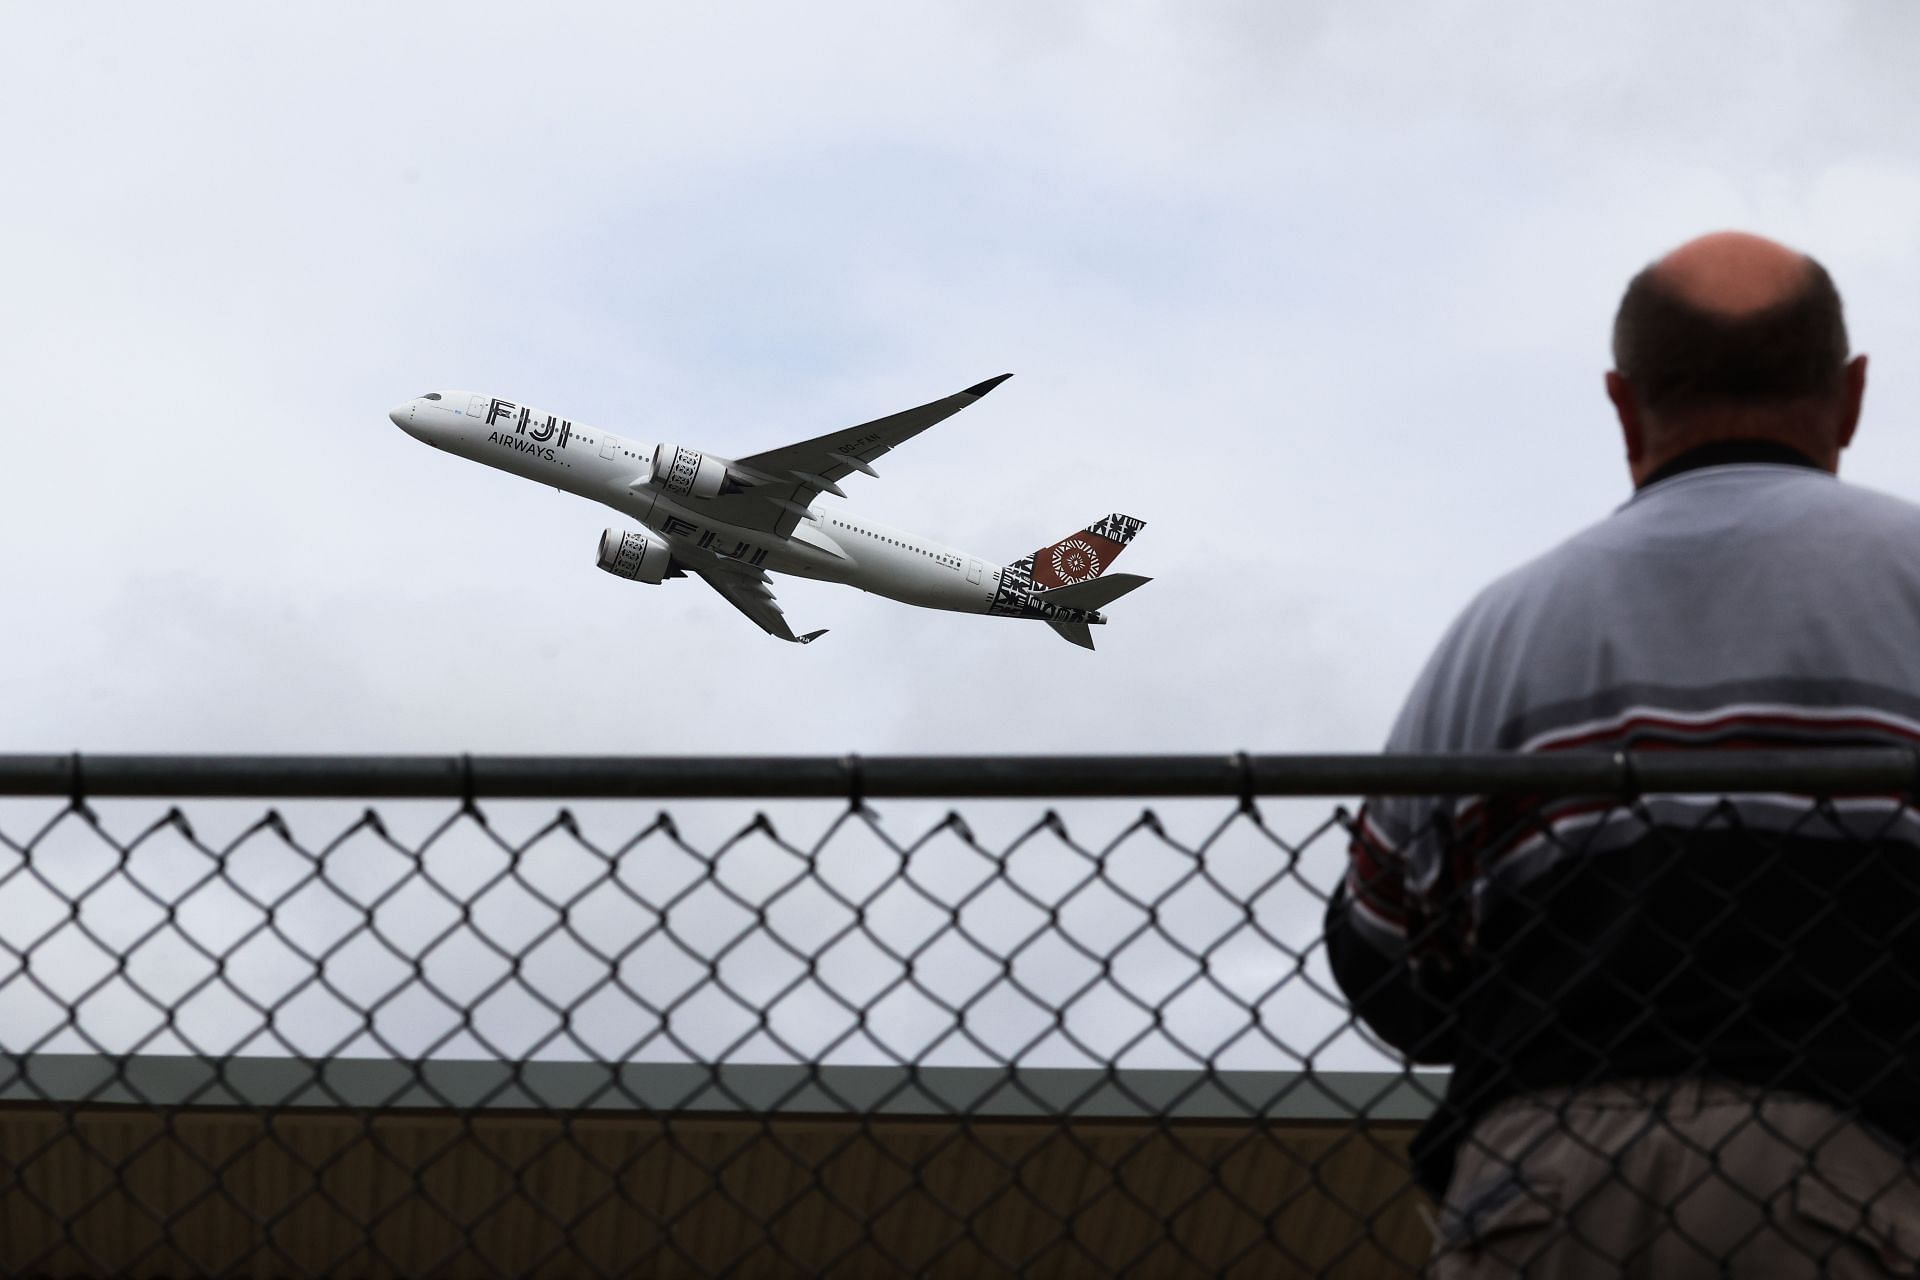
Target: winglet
(979,389)
(810,637)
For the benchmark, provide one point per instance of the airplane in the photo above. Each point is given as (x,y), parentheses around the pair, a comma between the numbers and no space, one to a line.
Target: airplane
(734,521)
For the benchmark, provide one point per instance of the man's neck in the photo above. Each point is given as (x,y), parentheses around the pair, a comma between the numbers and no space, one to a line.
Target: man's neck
(1721,453)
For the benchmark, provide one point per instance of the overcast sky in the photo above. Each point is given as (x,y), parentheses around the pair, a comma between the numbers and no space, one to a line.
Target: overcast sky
(1320,291)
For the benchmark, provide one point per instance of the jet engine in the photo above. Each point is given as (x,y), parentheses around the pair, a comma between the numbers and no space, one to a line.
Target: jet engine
(634,556)
(688,473)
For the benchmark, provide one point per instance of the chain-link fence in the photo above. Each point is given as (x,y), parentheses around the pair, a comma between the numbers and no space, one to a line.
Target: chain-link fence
(471,1032)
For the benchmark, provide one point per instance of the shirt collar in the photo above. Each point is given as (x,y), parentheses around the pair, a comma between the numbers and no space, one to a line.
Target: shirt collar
(1722,453)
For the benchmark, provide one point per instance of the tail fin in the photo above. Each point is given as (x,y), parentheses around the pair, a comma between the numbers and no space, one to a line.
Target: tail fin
(1084,556)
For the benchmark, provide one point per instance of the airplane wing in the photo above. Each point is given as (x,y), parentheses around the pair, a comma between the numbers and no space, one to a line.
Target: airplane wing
(800,472)
(750,591)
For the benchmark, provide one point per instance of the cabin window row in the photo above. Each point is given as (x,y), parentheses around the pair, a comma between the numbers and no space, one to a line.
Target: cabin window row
(895,542)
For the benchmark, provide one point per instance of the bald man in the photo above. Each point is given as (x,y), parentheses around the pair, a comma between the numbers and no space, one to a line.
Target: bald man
(1683,1033)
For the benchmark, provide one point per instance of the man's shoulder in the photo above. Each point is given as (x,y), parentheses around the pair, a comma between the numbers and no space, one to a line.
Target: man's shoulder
(1867,502)
(1671,591)
(1795,501)
(1547,573)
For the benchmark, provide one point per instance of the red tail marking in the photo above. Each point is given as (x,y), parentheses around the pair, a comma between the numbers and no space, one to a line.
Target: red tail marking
(1078,557)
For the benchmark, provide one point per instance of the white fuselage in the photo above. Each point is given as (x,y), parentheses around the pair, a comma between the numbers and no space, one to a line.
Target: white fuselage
(830,545)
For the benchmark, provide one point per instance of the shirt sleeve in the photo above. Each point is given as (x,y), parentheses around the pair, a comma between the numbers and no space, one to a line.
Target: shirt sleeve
(1395,934)
(1374,932)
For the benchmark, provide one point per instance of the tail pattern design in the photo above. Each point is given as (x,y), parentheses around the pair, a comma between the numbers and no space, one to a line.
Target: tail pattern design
(1078,557)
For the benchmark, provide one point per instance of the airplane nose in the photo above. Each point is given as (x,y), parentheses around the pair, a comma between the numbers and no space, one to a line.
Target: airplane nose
(402,417)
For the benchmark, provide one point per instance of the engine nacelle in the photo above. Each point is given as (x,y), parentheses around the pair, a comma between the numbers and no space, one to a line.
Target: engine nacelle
(688,473)
(634,556)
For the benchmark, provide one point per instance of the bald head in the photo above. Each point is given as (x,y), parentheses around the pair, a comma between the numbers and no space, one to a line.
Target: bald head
(1732,336)
(1732,273)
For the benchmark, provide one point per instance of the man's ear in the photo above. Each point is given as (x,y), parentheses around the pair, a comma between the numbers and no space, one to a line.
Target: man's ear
(1853,389)
(1627,409)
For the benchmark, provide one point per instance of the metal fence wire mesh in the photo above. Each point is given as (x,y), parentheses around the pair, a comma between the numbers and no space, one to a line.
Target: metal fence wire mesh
(492,1035)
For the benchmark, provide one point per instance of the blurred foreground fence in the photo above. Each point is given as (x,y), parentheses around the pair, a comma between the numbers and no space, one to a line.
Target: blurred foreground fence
(471,1032)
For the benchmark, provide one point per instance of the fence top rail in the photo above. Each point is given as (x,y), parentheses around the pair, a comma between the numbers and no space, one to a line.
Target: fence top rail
(159,1080)
(1823,772)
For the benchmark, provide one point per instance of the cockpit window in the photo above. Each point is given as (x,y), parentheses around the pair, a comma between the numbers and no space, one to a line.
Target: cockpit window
(431,395)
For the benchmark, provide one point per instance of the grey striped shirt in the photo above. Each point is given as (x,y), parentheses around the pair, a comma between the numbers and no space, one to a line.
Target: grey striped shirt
(1736,605)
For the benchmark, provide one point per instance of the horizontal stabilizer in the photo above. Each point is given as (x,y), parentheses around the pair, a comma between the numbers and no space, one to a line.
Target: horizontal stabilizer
(1077,632)
(1095,593)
